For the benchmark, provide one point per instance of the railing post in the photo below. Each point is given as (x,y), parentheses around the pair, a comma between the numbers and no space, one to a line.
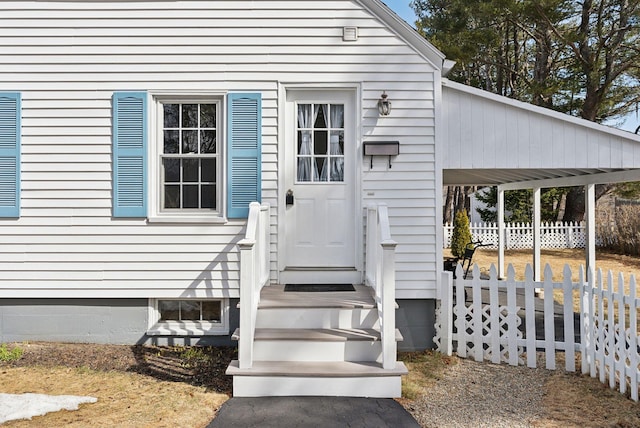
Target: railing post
(371,247)
(389,350)
(252,249)
(247,280)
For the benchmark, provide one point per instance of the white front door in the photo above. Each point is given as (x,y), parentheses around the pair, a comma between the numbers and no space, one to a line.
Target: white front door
(320,221)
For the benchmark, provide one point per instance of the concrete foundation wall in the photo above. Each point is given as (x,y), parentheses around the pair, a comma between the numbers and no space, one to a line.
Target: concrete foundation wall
(112,321)
(416,321)
(125,321)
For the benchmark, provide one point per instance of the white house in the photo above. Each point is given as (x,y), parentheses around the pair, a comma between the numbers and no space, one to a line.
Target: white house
(135,134)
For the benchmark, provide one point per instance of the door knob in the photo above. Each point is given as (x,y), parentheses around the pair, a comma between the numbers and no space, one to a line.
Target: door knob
(289,197)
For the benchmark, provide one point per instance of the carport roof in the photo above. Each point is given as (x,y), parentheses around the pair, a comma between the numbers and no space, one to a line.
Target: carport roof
(493,140)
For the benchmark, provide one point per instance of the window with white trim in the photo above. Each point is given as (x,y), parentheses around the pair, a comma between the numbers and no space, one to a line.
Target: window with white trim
(189,317)
(187,158)
(190,157)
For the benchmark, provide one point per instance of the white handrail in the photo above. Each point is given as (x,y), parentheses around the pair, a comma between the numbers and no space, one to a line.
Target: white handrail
(254,274)
(380,274)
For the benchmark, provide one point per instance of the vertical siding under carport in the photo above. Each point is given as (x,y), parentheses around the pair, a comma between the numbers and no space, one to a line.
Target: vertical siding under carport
(67,58)
(485,131)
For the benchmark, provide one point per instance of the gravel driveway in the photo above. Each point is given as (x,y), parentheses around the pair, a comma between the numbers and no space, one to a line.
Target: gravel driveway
(482,395)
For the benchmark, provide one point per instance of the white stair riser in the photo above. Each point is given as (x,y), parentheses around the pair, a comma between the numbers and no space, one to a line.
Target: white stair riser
(317,318)
(260,386)
(306,350)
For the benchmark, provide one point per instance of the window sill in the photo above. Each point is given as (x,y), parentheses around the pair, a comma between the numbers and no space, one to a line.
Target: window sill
(187,219)
(188,328)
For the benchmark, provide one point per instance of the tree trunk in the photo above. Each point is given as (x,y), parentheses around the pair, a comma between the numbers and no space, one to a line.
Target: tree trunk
(459,199)
(561,207)
(575,204)
(447,216)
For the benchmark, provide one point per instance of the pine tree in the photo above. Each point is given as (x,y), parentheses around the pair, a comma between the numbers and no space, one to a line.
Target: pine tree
(461,234)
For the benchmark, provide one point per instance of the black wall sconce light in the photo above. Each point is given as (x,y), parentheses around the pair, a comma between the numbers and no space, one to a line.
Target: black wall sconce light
(384,105)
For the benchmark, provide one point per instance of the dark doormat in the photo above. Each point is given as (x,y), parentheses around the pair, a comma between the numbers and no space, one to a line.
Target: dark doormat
(318,288)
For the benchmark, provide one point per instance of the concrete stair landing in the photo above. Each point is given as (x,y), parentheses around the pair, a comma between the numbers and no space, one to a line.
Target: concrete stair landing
(317,344)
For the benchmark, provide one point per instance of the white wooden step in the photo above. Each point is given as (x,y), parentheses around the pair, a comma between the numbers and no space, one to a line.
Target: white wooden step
(274,296)
(283,378)
(317,344)
(318,318)
(316,334)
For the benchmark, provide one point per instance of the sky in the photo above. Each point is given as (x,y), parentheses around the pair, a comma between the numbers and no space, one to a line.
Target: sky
(402,8)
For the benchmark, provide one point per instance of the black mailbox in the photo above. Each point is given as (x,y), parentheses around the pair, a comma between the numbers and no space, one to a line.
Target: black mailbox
(381,148)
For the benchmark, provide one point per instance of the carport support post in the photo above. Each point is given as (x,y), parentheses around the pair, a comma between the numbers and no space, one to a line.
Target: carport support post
(501,233)
(590,214)
(536,234)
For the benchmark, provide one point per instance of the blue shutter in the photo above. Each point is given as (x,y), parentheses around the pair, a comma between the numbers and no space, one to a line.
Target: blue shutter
(244,153)
(130,154)
(10,112)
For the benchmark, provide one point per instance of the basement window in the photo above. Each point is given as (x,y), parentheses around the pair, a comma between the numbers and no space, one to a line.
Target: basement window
(188,317)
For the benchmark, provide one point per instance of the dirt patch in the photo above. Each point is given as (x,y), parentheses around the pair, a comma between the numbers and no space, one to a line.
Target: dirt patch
(136,386)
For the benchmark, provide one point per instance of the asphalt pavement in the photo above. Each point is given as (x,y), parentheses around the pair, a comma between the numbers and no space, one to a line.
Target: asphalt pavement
(316,412)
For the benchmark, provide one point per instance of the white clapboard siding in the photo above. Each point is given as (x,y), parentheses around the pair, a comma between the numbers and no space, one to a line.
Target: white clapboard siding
(67,59)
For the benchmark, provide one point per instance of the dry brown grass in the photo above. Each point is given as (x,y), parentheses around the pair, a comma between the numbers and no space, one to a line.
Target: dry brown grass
(425,368)
(557,259)
(124,399)
(574,400)
(136,386)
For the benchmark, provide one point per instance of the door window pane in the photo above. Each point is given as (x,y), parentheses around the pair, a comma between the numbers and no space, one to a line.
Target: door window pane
(321,120)
(320,143)
(320,168)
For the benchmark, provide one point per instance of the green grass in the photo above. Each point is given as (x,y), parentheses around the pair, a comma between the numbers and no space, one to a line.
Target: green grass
(8,355)
(193,356)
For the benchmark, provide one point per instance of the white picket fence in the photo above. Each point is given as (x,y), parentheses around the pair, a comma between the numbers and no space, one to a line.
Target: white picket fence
(496,322)
(520,235)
